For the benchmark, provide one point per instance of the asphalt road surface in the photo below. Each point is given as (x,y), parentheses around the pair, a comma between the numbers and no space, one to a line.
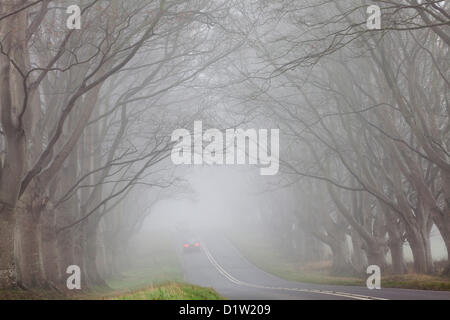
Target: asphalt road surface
(221,266)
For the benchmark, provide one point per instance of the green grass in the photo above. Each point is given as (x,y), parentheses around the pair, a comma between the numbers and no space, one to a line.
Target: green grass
(168,291)
(270,259)
(155,275)
(416,281)
(171,291)
(321,275)
(157,264)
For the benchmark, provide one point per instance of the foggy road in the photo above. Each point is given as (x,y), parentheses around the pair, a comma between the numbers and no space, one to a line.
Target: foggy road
(221,266)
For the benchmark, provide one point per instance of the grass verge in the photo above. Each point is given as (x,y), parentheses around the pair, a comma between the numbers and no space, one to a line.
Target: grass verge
(171,291)
(271,260)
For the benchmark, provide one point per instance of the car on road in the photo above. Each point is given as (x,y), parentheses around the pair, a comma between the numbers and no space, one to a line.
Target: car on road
(191,245)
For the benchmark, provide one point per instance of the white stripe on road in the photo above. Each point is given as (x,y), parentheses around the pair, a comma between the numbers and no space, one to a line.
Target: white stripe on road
(246,284)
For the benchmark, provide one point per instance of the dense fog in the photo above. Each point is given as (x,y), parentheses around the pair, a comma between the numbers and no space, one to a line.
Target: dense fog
(302,137)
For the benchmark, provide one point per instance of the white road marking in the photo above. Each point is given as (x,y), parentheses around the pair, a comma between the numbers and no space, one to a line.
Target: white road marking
(246,284)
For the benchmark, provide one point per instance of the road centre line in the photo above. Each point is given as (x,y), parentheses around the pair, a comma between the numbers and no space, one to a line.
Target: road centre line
(243,283)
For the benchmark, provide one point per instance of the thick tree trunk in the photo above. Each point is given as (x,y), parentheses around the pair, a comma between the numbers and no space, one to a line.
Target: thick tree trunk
(376,256)
(65,246)
(420,263)
(342,264)
(91,255)
(446,271)
(397,257)
(8,276)
(314,250)
(395,245)
(49,248)
(444,230)
(359,260)
(419,251)
(12,33)
(341,260)
(428,255)
(80,245)
(419,242)
(102,259)
(28,215)
(31,273)
(66,213)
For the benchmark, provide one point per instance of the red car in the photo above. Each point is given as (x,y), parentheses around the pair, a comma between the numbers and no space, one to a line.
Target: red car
(191,245)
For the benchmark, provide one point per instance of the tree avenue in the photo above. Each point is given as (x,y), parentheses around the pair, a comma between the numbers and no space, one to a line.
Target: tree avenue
(345,116)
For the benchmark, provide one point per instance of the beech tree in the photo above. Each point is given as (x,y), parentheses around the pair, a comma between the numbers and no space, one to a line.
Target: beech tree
(70,100)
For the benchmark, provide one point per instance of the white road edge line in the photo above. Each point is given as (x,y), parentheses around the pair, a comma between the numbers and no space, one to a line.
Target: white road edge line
(246,284)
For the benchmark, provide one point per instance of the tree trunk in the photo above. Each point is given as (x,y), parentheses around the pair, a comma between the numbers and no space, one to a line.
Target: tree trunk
(397,257)
(313,249)
(28,215)
(421,250)
(342,264)
(91,254)
(102,259)
(31,274)
(49,248)
(358,257)
(12,33)
(8,276)
(444,229)
(66,213)
(419,254)
(376,256)
(65,245)
(446,271)
(395,243)
(428,255)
